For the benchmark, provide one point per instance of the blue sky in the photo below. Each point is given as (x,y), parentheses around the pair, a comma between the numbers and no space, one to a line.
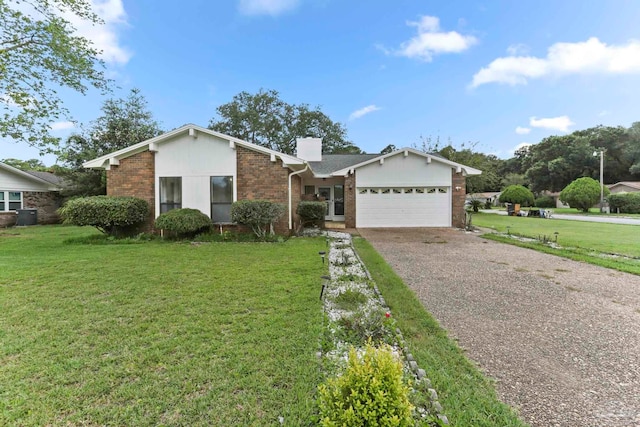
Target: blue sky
(499,73)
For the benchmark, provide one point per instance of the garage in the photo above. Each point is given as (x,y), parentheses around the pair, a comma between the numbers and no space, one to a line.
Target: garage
(415,206)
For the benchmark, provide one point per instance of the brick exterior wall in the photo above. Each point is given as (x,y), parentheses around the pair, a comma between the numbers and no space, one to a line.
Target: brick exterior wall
(258,178)
(350,201)
(458,199)
(46,203)
(8,219)
(135,177)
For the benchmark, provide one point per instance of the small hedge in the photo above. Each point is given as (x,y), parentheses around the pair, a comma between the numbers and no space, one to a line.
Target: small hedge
(311,213)
(371,392)
(183,222)
(115,216)
(624,202)
(257,214)
(545,202)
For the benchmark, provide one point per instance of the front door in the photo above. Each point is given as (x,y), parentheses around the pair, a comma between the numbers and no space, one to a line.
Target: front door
(334,196)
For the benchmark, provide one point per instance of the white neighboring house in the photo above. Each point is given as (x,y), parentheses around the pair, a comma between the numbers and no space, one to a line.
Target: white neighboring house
(28,190)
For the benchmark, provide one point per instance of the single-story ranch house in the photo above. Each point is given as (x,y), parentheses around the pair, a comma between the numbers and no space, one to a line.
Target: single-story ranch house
(195,167)
(28,190)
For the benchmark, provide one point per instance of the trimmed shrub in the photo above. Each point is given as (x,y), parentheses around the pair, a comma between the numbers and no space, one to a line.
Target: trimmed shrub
(184,222)
(624,202)
(545,202)
(582,193)
(517,194)
(311,213)
(115,216)
(370,392)
(257,214)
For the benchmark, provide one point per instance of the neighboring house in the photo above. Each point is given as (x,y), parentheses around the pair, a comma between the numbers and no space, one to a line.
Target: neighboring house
(199,168)
(491,196)
(624,187)
(28,190)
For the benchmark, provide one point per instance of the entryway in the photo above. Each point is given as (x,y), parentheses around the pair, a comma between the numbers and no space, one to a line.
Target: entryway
(334,195)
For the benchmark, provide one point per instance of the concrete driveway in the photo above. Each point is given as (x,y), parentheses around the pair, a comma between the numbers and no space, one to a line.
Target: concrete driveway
(561,338)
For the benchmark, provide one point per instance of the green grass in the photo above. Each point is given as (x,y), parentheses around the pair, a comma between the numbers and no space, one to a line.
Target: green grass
(468,398)
(581,241)
(157,333)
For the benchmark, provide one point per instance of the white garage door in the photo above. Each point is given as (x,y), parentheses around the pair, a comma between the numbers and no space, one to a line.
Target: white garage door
(403,207)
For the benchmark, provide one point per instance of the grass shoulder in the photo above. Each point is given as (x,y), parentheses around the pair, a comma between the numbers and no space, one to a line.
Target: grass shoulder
(468,397)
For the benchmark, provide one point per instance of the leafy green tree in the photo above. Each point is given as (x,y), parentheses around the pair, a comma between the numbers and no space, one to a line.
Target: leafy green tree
(124,122)
(27,165)
(517,194)
(39,54)
(388,149)
(264,119)
(582,193)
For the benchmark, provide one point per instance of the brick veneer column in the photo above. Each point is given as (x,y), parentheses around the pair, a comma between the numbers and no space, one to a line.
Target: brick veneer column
(350,201)
(458,199)
(135,176)
(258,178)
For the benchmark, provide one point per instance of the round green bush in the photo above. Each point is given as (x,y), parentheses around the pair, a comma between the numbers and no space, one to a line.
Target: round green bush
(624,202)
(183,222)
(370,392)
(517,194)
(582,194)
(115,216)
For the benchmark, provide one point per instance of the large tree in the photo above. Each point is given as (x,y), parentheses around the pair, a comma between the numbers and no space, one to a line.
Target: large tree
(40,53)
(26,165)
(265,119)
(124,122)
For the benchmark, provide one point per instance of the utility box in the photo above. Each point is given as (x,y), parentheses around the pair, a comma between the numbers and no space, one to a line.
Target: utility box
(27,217)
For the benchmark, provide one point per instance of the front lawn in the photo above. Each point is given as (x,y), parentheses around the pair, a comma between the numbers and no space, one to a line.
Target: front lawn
(157,333)
(591,242)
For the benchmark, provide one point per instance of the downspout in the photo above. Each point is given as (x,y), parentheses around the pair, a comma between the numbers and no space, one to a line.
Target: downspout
(306,168)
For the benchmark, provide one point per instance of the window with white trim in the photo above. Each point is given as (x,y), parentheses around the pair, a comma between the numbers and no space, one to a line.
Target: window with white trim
(170,193)
(221,198)
(10,200)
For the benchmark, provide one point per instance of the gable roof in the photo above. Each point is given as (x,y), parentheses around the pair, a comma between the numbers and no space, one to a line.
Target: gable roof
(38,177)
(632,184)
(333,162)
(466,170)
(104,162)
(47,176)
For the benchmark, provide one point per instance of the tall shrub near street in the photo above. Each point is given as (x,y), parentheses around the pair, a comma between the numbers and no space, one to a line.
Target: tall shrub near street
(517,194)
(624,202)
(582,193)
(257,214)
(115,216)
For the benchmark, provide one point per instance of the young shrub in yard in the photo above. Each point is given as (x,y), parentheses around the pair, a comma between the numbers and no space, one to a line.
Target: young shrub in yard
(367,325)
(311,213)
(370,392)
(582,193)
(475,204)
(257,214)
(115,216)
(183,222)
(517,194)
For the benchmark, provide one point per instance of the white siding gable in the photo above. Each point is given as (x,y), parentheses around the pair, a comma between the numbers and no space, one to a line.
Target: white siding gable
(195,160)
(402,171)
(13,182)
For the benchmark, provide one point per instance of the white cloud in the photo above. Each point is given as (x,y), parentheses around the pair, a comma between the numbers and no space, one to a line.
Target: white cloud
(431,41)
(105,37)
(266,7)
(522,131)
(62,126)
(518,49)
(560,123)
(363,111)
(591,56)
